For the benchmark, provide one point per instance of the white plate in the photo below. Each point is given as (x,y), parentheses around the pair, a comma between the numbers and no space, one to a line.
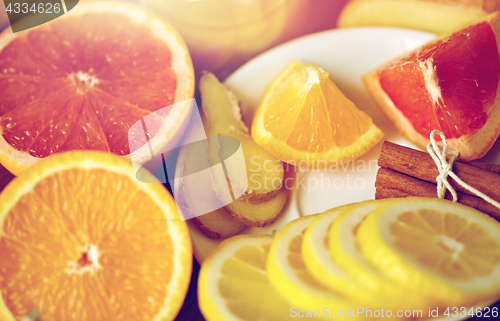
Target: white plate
(346,54)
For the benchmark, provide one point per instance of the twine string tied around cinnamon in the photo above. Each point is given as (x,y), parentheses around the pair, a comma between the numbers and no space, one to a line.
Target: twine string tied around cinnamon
(446,169)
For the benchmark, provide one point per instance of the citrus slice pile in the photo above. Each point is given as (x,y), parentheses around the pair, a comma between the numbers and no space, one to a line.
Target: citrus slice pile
(82,80)
(343,248)
(304,119)
(82,239)
(288,274)
(392,258)
(450,84)
(316,257)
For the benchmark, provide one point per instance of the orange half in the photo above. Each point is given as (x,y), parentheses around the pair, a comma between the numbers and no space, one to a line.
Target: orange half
(82,239)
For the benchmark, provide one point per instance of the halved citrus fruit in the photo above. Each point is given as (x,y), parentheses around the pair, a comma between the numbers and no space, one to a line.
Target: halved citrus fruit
(305,120)
(82,80)
(82,239)
(450,84)
(443,250)
(233,284)
(289,276)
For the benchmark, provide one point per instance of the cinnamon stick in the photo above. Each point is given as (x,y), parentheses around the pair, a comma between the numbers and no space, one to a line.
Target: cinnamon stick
(420,165)
(494,168)
(390,183)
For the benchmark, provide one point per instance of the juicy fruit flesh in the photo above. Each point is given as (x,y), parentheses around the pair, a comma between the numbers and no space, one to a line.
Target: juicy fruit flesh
(311,114)
(78,84)
(101,258)
(450,85)
(245,287)
(296,261)
(446,243)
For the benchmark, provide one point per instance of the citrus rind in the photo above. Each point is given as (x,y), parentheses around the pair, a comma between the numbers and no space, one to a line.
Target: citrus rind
(300,158)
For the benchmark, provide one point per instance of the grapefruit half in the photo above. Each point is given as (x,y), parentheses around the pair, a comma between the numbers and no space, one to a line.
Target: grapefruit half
(450,83)
(81,81)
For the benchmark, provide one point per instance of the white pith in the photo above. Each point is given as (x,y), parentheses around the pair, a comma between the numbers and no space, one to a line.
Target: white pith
(431,80)
(451,245)
(93,256)
(83,81)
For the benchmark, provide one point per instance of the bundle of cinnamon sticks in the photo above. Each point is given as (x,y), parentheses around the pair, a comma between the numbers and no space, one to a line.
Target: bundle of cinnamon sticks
(407,172)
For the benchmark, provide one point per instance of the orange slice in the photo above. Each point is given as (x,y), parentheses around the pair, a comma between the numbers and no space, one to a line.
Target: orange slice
(82,80)
(305,120)
(450,84)
(82,239)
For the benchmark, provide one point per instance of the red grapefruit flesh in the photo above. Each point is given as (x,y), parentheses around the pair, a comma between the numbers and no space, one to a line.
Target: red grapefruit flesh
(450,84)
(82,80)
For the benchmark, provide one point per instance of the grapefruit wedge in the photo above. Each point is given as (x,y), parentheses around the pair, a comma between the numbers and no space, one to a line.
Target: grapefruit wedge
(81,81)
(450,83)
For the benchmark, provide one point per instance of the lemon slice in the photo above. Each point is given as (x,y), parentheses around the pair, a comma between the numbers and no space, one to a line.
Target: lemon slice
(447,251)
(304,119)
(316,257)
(289,276)
(390,294)
(233,283)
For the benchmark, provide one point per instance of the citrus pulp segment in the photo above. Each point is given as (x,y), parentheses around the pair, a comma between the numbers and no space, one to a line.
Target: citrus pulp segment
(317,260)
(304,119)
(288,274)
(82,239)
(343,249)
(73,83)
(446,250)
(450,83)
(233,284)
